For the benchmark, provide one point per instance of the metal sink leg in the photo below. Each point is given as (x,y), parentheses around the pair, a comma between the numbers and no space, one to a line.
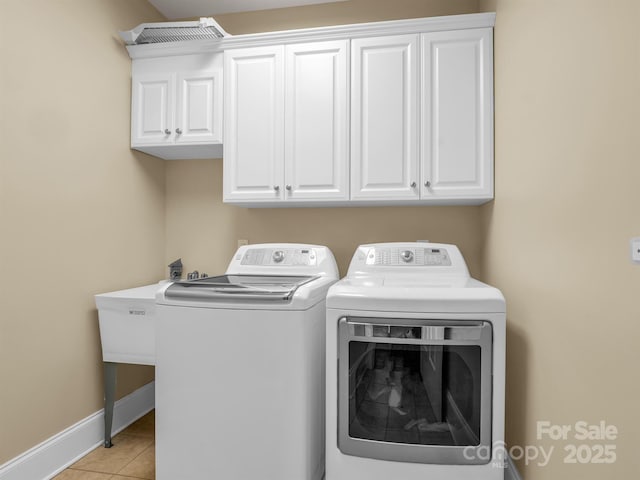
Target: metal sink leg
(109,398)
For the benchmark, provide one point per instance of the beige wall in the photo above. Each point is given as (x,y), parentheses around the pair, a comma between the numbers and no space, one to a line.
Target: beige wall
(204,232)
(567,89)
(341,13)
(79,212)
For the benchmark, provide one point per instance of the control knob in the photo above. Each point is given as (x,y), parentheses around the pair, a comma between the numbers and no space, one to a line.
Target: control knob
(278,256)
(406,256)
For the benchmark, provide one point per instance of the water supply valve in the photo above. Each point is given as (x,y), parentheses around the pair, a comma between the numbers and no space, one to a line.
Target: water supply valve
(175,270)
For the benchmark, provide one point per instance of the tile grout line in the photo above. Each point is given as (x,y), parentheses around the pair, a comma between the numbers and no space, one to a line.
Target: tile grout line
(106,473)
(133,460)
(127,476)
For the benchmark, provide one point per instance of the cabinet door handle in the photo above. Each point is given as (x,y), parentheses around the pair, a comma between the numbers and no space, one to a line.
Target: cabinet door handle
(167,131)
(413,184)
(427,184)
(288,187)
(179,131)
(276,188)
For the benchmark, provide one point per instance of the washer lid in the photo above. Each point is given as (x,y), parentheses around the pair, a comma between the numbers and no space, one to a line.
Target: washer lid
(247,288)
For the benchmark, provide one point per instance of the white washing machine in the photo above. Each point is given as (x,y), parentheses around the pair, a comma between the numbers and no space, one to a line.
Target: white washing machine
(415,368)
(240,368)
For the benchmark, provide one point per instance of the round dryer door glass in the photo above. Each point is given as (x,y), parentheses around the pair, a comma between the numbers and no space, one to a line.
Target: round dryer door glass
(424,395)
(407,385)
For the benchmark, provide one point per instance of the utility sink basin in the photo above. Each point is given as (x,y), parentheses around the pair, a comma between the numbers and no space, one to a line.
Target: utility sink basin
(127,325)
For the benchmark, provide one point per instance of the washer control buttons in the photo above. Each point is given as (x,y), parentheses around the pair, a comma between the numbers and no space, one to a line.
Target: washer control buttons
(280,257)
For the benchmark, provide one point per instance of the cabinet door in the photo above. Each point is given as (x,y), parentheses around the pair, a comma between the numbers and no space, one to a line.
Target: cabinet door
(254,118)
(457,114)
(316,113)
(152,109)
(384,157)
(199,108)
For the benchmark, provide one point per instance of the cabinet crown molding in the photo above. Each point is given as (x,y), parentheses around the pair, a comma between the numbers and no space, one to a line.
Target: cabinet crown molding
(392,27)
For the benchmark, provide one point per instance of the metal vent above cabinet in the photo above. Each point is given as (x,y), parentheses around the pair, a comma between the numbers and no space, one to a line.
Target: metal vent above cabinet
(162,32)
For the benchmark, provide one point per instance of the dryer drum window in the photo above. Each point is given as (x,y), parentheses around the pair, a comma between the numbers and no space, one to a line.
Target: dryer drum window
(414,390)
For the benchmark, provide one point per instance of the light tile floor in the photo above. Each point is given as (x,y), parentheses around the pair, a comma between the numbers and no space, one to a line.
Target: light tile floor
(132,456)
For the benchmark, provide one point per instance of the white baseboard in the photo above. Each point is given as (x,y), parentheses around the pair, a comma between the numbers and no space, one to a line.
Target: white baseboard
(63,449)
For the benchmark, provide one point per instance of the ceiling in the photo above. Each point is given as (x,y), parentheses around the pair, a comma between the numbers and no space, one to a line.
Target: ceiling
(175,9)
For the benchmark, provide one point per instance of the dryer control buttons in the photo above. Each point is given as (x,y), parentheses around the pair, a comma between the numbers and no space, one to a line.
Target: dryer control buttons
(406,256)
(278,256)
(420,257)
(436,257)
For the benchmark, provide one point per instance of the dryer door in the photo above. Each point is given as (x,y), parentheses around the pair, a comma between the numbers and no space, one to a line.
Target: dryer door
(415,390)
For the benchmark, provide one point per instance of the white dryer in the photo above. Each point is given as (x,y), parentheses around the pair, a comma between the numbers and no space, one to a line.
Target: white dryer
(415,368)
(240,368)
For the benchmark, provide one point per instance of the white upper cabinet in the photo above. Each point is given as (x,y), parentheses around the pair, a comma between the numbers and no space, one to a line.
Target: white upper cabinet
(286,138)
(316,128)
(445,156)
(384,118)
(254,118)
(153,97)
(457,115)
(177,106)
(199,107)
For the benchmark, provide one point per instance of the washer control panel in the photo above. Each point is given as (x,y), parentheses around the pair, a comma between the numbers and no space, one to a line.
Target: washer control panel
(279,257)
(400,256)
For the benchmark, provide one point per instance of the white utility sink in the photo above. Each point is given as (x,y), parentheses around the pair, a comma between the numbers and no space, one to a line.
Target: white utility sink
(128,335)
(127,325)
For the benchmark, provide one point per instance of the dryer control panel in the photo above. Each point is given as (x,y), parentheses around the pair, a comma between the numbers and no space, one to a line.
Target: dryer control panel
(396,256)
(411,258)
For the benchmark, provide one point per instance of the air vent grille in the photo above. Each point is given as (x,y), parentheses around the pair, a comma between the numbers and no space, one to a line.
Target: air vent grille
(177,34)
(205,29)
